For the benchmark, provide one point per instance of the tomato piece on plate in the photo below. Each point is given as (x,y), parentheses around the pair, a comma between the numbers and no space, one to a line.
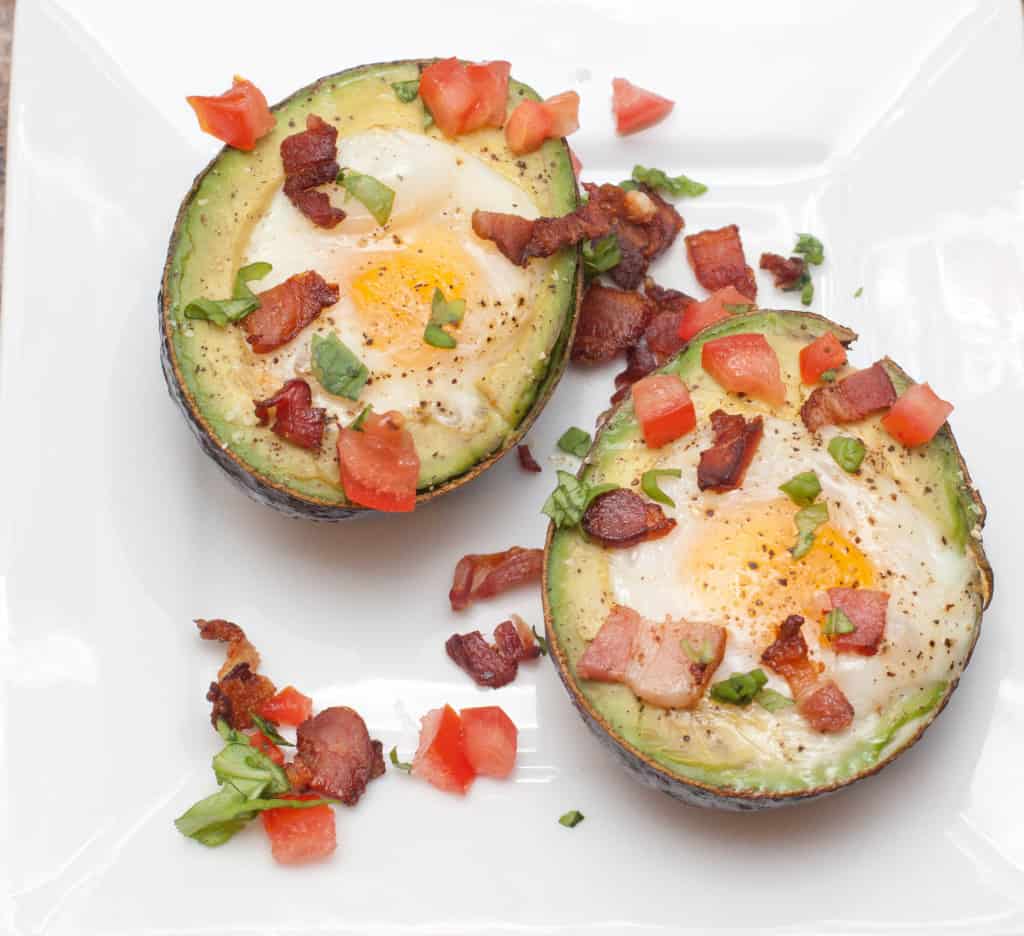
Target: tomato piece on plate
(287,707)
(441,756)
(238,117)
(564,110)
(528,127)
(916,416)
(300,835)
(490,84)
(745,364)
(264,745)
(490,739)
(822,354)
(379,465)
(664,409)
(449,93)
(699,315)
(636,108)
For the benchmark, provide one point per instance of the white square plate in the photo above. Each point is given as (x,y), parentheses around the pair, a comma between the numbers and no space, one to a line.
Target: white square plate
(893,131)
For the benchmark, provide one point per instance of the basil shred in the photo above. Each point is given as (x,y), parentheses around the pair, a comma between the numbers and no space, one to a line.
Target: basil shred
(269,730)
(847,452)
(443,312)
(374,194)
(660,181)
(802,489)
(406,91)
(337,369)
(401,765)
(649,484)
(807,520)
(600,256)
(567,502)
(574,441)
(836,623)
(739,688)
(243,300)
(571,819)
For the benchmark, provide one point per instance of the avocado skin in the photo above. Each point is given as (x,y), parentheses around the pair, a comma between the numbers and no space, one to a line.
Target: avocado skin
(693,792)
(263,489)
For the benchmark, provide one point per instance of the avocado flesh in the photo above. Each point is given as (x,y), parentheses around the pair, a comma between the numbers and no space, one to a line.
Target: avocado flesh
(726,744)
(214,227)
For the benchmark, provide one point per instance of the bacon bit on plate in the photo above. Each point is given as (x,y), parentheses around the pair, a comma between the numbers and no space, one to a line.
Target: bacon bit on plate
(866,610)
(484,575)
(310,159)
(818,698)
(239,648)
(850,399)
(526,460)
(300,835)
(717,259)
(288,308)
(787,273)
(238,117)
(295,417)
(620,518)
(723,466)
(239,688)
(610,321)
(335,755)
(496,664)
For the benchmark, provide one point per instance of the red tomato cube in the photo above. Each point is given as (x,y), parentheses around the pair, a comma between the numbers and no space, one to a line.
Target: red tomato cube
(635,108)
(822,354)
(287,707)
(564,110)
(449,93)
(699,315)
(528,127)
(238,117)
(664,409)
(916,416)
(745,364)
(264,745)
(441,756)
(490,83)
(300,835)
(379,465)
(490,738)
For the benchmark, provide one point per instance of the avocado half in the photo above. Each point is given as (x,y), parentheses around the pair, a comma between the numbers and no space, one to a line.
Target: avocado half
(206,249)
(711,771)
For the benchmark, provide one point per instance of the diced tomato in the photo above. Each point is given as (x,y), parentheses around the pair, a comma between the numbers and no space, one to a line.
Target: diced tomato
(239,117)
(699,315)
(379,465)
(745,364)
(449,93)
(664,408)
(490,738)
(577,166)
(264,745)
(528,127)
(916,416)
(490,82)
(636,108)
(300,835)
(287,707)
(564,109)
(822,354)
(441,756)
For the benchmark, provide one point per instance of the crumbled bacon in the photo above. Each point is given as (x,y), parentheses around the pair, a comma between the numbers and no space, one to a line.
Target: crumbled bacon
(513,638)
(817,698)
(850,399)
(787,273)
(723,466)
(717,259)
(484,575)
(526,460)
(610,321)
(866,610)
(239,648)
(621,518)
(335,755)
(494,664)
(288,308)
(295,417)
(607,656)
(237,694)
(310,159)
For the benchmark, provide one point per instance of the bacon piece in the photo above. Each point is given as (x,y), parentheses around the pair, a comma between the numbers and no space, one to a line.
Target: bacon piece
(237,694)
(723,466)
(513,639)
(717,259)
(818,698)
(620,518)
(335,755)
(526,460)
(672,662)
(288,308)
(239,648)
(510,233)
(494,664)
(607,657)
(866,610)
(295,417)
(850,399)
(310,159)
(787,273)
(484,575)
(610,321)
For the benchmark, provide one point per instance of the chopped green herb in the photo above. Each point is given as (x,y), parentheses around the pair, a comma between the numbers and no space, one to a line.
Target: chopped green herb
(253,271)
(772,701)
(739,688)
(571,819)
(374,194)
(401,765)
(269,730)
(649,484)
(738,308)
(803,488)
(437,337)
(220,311)
(859,292)
(339,371)
(702,655)
(807,293)
(810,248)
(575,441)
(570,499)
(357,423)
(829,376)
(807,520)
(847,451)
(599,256)
(836,622)
(428,118)
(628,185)
(671,185)
(406,91)
(443,312)
(541,641)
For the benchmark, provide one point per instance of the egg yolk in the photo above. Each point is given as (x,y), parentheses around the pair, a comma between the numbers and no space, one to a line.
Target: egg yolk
(392,292)
(743,569)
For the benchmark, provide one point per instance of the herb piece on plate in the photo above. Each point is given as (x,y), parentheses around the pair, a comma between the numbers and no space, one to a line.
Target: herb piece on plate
(575,441)
(571,819)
